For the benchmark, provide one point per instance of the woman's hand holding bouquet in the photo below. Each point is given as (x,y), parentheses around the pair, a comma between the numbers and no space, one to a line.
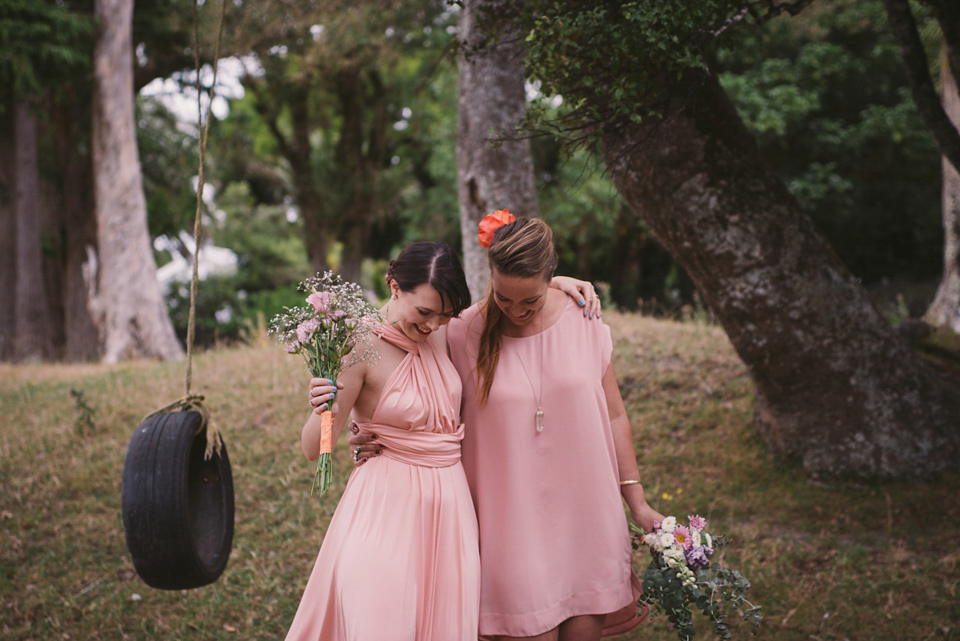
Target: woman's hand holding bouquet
(326,333)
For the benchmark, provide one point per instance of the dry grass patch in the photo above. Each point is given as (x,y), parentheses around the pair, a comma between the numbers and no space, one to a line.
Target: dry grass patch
(828,561)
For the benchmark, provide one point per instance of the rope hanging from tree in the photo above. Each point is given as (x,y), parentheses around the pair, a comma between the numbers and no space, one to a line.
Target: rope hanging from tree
(177,499)
(191,401)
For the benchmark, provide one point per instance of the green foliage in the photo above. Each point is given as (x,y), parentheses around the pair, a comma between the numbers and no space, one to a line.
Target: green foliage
(598,237)
(428,208)
(271,262)
(826,95)
(824,92)
(84,424)
(268,243)
(168,162)
(42,43)
(340,119)
(163,37)
(613,61)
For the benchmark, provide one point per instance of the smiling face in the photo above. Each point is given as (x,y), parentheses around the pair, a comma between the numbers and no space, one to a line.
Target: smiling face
(520,298)
(419,312)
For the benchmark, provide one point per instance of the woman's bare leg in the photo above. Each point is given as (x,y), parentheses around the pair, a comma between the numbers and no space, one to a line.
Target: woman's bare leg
(550,635)
(582,628)
(586,627)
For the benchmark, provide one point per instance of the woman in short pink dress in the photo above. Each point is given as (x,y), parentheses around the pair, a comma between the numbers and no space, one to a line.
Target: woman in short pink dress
(548,453)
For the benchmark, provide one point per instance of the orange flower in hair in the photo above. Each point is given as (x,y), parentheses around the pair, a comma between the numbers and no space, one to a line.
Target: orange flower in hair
(491,223)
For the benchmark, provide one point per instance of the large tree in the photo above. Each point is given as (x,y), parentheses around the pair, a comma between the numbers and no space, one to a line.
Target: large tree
(494,166)
(43,46)
(835,384)
(333,79)
(8,234)
(32,335)
(81,338)
(125,296)
(945,309)
(941,114)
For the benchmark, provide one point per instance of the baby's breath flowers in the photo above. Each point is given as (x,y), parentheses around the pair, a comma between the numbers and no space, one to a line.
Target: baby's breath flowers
(331,332)
(680,575)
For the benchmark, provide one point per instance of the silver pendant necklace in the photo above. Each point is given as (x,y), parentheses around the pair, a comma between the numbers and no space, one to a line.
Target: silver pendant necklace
(538,393)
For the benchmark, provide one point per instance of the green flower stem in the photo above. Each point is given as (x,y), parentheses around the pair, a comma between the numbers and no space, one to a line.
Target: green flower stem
(323,476)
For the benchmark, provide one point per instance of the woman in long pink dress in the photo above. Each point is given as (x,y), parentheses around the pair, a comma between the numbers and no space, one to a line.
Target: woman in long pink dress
(400,560)
(548,452)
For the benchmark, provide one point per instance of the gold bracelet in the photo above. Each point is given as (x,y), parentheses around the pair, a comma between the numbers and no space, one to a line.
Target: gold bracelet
(629,482)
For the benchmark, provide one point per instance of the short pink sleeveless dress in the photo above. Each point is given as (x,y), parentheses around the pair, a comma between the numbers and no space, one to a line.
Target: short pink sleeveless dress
(554,541)
(400,559)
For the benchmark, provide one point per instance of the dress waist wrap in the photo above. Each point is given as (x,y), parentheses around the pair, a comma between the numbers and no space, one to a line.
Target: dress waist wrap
(417,447)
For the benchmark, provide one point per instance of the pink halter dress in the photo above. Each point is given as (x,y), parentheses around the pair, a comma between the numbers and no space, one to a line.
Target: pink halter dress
(400,560)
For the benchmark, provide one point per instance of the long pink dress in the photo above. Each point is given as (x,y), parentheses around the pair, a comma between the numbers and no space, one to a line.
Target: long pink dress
(400,559)
(554,541)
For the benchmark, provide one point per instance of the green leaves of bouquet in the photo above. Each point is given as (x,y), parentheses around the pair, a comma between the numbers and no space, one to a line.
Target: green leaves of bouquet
(681,577)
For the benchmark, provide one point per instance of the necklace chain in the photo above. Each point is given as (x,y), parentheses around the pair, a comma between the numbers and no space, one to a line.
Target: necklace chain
(538,394)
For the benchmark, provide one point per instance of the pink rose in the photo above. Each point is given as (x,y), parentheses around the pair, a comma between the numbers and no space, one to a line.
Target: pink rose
(320,302)
(306,329)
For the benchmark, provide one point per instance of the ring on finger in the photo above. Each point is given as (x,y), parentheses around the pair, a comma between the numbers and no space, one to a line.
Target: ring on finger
(356,455)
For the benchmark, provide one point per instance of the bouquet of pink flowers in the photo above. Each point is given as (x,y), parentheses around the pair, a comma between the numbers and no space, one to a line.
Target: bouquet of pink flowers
(326,333)
(681,575)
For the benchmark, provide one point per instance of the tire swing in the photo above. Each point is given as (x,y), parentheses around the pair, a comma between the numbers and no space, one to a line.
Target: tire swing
(177,496)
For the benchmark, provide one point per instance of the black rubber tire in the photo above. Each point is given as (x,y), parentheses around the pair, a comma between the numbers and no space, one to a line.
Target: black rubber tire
(178,509)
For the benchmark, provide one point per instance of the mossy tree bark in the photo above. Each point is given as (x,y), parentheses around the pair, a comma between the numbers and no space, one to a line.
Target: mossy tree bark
(835,385)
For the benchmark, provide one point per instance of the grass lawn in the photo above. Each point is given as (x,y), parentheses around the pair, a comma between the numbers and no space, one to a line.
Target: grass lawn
(827,561)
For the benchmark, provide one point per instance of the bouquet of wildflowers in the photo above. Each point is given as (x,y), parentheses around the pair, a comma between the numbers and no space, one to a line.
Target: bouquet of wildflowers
(329,333)
(681,575)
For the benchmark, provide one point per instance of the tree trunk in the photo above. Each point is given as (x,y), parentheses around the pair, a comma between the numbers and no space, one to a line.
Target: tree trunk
(32,336)
(835,385)
(359,159)
(127,305)
(52,254)
(318,234)
(81,338)
(914,56)
(945,309)
(492,102)
(8,235)
(354,171)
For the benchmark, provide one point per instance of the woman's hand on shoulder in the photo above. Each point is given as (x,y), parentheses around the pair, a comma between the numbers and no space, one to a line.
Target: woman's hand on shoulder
(582,292)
